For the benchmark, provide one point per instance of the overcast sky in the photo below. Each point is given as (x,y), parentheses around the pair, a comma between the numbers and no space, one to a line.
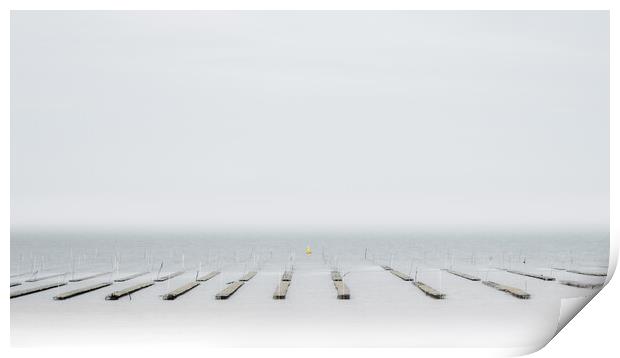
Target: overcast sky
(310,120)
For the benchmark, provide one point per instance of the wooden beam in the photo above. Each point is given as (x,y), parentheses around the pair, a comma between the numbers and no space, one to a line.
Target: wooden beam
(180,291)
(581,284)
(600,274)
(336,276)
(287,276)
(533,275)
(511,290)
(21,274)
(248,276)
(400,275)
(429,291)
(35,279)
(84,278)
(131,277)
(342,290)
(29,291)
(79,291)
(281,290)
(208,276)
(229,290)
(464,275)
(169,276)
(127,291)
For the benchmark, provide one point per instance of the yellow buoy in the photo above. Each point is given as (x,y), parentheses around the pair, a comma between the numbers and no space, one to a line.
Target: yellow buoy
(308,251)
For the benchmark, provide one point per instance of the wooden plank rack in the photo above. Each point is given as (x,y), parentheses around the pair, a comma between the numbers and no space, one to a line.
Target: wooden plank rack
(281,290)
(511,290)
(342,290)
(599,274)
(283,286)
(429,291)
(533,275)
(169,276)
(463,275)
(208,276)
(128,291)
(248,276)
(287,276)
(401,275)
(84,278)
(21,274)
(581,284)
(229,290)
(29,291)
(35,279)
(234,286)
(131,277)
(80,291)
(180,291)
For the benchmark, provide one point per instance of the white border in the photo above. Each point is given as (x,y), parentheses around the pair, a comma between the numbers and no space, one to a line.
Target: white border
(592,332)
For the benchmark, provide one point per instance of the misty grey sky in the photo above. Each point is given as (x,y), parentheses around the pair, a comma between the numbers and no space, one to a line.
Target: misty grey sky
(310,120)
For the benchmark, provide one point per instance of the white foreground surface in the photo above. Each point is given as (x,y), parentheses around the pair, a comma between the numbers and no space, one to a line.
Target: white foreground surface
(383,310)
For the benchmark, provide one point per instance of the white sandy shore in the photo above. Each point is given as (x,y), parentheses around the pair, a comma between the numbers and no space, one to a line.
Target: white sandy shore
(383,310)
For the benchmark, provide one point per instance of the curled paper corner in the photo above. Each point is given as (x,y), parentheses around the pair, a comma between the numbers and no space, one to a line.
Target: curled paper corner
(613,262)
(569,308)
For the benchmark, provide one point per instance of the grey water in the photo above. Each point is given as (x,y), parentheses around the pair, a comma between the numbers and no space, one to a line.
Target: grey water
(64,250)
